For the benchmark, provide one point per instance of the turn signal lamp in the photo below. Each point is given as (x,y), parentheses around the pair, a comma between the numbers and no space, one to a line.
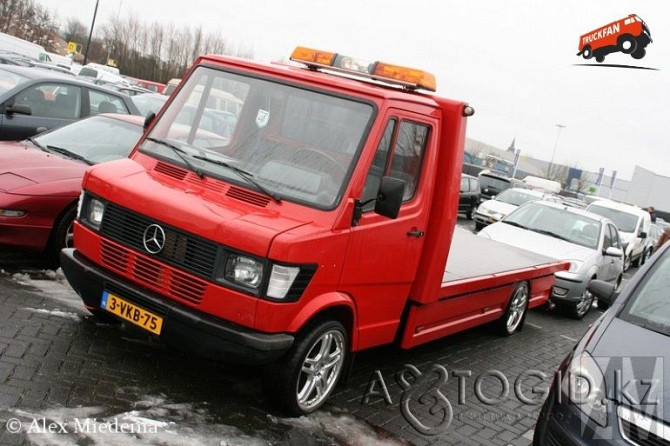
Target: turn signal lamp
(407,77)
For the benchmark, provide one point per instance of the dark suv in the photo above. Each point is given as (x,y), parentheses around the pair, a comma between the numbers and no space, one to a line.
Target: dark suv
(469,199)
(492,183)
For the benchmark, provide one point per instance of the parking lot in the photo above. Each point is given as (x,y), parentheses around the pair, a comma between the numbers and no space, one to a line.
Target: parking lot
(68,380)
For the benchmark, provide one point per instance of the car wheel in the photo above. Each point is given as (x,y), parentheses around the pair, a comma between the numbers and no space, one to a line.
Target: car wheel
(479,226)
(62,236)
(304,379)
(469,212)
(515,315)
(645,256)
(627,44)
(636,263)
(600,58)
(639,54)
(626,262)
(582,307)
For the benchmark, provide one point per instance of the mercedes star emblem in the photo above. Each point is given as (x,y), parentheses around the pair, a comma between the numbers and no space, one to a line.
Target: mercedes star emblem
(154,239)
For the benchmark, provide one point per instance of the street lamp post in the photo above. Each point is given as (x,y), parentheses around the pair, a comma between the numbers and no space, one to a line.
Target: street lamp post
(558,133)
(90,34)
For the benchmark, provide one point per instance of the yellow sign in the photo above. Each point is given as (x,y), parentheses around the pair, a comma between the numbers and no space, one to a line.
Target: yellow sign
(74,47)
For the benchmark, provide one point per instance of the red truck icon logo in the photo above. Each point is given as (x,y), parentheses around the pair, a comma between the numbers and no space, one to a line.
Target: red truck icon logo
(629,35)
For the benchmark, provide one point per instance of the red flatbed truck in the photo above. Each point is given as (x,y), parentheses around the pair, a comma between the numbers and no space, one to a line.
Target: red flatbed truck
(319,227)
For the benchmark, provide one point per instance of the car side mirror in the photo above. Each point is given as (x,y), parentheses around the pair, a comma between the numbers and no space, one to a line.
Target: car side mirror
(604,291)
(21,109)
(389,198)
(149,119)
(643,235)
(613,252)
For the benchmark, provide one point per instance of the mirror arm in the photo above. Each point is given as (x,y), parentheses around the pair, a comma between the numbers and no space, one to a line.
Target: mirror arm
(358,209)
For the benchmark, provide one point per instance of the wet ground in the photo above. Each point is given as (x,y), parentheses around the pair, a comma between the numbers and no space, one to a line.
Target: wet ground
(66,379)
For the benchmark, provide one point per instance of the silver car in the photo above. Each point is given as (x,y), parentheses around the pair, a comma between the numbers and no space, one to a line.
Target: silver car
(590,242)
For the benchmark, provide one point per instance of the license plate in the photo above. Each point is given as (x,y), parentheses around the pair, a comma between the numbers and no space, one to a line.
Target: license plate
(131,313)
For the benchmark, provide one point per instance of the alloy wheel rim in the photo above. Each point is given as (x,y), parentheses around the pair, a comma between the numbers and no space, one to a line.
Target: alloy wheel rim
(585,303)
(517,308)
(320,369)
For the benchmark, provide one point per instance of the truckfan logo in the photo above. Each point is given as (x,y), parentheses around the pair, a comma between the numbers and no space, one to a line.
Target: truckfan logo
(154,239)
(629,35)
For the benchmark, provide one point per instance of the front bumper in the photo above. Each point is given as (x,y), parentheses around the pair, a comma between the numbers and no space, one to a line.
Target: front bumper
(567,291)
(183,328)
(562,423)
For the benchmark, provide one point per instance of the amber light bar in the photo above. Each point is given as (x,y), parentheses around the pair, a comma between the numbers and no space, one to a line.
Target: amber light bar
(407,77)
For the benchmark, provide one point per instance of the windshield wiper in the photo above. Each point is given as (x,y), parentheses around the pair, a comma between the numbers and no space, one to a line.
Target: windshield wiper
(180,153)
(513,223)
(551,234)
(69,154)
(36,144)
(248,176)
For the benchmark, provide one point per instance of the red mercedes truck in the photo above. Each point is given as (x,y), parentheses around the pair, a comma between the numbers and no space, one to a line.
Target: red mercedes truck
(319,222)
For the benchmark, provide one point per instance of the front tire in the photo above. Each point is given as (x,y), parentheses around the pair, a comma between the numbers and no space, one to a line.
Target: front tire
(62,236)
(581,308)
(515,315)
(304,379)
(627,44)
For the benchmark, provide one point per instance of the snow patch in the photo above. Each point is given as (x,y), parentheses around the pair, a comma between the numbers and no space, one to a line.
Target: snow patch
(58,313)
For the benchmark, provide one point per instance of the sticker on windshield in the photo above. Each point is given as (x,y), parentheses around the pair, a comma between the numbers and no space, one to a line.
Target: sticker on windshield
(262,118)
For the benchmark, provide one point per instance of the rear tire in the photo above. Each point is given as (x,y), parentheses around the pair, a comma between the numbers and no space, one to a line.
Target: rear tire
(304,379)
(639,54)
(627,44)
(515,314)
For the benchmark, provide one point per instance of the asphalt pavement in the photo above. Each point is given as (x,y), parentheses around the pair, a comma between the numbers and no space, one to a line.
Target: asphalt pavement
(66,379)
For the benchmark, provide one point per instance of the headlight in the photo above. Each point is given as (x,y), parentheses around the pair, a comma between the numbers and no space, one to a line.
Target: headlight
(94,212)
(496,215)
(281,279)
(575,265)
(584,385)
(244,271)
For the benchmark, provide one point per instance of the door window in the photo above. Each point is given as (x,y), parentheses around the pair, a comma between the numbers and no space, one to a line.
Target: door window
(106,103)
(52,100)
(405,145)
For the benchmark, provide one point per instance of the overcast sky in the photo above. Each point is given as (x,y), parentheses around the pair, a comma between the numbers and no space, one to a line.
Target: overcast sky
(514,61)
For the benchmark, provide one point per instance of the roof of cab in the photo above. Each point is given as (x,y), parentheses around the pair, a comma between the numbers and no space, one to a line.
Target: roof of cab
(328,79)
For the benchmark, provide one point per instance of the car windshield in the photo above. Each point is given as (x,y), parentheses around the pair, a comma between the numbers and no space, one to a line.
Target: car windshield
(624,221)
(10,80)
(516,197)
(649,307)
(149,103)
(499,184)
(558,223)
(95,139)
(298,143)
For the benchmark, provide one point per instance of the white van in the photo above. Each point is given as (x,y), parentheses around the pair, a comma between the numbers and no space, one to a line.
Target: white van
(544,184)
(634,225)
(23,47)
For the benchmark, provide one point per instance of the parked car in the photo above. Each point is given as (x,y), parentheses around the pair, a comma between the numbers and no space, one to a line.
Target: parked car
(634,225)
(495,209)
(655,232)
(588,241)
(613,388)
(469,198)
(33,100)
(492,183)
(40,178)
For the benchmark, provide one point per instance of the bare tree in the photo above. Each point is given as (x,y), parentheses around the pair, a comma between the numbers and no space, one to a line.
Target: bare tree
(75,31)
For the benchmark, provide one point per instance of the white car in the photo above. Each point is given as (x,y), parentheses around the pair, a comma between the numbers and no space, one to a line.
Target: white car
(496,208)
(588,241)
(634,225)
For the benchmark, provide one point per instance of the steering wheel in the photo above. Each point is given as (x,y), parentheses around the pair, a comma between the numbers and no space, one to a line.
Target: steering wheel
(332,162)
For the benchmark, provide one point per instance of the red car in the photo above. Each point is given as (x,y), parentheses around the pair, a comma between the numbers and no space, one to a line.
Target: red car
(40,178)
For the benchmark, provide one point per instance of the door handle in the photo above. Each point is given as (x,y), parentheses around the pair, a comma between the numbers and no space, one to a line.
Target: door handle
(415,233)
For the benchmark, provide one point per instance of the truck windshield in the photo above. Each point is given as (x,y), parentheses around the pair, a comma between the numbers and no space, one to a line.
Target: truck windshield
(299,144)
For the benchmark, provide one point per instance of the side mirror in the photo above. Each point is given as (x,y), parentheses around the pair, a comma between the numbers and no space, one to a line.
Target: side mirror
(389,198)
(613,252)
(643,235)
(21,109)
(604,291)
(149,119)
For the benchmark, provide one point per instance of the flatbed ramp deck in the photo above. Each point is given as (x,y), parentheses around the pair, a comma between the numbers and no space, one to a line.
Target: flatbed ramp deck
(478,281)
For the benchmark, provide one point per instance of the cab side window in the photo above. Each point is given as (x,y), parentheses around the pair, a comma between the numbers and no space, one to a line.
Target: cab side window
(399,155)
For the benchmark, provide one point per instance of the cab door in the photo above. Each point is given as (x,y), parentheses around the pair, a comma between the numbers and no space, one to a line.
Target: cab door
(383,255)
